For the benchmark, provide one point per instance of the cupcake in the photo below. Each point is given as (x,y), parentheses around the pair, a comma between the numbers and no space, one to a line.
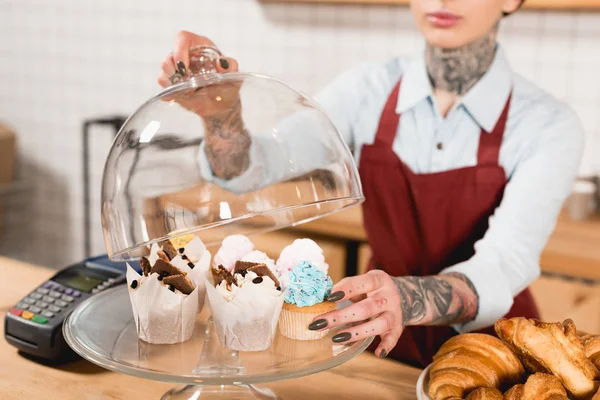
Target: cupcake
(187,253)
(164,302)
(235,248)
(299,250)
(257,256)
(245,305)
(305,295)
(232,249)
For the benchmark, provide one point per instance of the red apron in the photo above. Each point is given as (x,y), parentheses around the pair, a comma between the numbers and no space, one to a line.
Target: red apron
(419,224)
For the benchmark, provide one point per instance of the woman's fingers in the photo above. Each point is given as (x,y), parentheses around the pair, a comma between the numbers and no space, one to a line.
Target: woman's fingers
(227,64)
(168,65)
(351,287)
(382,325)
(167,71)
(370,307)
(388,342)
(164,81)
(183,42)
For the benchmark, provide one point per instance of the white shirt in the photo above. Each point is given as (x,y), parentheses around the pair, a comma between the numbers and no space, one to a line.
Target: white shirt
(541,151)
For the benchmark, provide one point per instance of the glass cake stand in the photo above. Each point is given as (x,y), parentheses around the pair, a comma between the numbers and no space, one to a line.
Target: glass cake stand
(102,330)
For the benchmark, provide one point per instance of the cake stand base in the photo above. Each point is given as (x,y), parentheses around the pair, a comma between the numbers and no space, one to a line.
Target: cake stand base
(232,392)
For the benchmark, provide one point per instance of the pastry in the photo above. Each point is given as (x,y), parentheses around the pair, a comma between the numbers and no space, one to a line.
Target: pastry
(245,306)
(308,287)
(233,248)
(540,386)
(192,258)
(258,256)
(300,250)
(591,345)
(181,241)
(515,392)
(552,348)
(164,303)
(469,361)
(485,394)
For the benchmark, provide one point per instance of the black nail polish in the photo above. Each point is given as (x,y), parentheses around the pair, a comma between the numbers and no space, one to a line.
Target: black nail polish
(181,67)
(383,354)
(318,324)
(337,296)
(341,337)
(224,63)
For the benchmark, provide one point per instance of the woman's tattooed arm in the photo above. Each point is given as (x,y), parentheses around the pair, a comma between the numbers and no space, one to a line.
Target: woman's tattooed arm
(227,143)
(437,300)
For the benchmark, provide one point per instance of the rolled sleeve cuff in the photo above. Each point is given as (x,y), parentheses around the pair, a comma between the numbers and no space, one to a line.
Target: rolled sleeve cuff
(493,289)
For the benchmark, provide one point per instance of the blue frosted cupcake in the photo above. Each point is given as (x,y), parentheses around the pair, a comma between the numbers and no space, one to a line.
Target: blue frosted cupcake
(305,296)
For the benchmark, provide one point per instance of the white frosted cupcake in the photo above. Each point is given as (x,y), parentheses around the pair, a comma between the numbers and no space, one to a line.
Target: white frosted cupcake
(305,295)
(245,306)
(232,249)
(188,254)
(164,303)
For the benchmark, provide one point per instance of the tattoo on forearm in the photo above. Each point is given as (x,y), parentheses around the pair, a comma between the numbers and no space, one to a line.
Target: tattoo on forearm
(434,300)
(227,143)
(458,70)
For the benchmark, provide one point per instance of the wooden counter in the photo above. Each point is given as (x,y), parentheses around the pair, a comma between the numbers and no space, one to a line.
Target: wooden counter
(573,249)
(365,377)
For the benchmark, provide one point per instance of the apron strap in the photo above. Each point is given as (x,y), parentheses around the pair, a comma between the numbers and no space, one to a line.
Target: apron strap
(489,143)
(389,121)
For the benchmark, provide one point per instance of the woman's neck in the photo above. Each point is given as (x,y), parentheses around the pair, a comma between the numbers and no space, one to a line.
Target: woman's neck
(454,71)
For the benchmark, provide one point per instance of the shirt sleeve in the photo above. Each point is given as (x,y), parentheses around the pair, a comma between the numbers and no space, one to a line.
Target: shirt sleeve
(292,150)
(506,259)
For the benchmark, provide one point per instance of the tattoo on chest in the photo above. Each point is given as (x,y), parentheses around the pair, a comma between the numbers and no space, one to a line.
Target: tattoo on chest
(458,70)
(227,143)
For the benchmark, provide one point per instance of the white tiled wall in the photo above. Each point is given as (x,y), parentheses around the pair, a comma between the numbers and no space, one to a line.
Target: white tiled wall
(64,61)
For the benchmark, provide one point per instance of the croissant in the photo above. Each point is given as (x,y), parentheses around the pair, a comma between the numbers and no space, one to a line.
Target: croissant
(485,394)
(540,386)
(469,361)
(515,392)
(551,348)
(591,345)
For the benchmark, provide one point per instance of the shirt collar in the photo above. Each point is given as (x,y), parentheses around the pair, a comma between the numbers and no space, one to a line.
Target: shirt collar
(484,102)
(416,86)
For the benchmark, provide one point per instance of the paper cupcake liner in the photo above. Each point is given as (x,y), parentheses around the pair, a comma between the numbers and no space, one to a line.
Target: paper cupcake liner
(161,316)
(294,325)
(244,324)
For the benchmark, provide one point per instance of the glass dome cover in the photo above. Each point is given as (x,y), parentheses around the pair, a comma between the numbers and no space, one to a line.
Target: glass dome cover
(220,154)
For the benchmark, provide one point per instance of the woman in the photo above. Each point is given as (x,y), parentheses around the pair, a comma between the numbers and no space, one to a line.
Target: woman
(464,165)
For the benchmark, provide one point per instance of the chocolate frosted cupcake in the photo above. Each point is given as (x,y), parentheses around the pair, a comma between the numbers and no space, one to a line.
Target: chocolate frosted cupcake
(164,302)
(305,296)
(245,305)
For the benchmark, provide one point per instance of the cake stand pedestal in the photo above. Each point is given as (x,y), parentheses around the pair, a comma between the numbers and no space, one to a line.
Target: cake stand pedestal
(102,330)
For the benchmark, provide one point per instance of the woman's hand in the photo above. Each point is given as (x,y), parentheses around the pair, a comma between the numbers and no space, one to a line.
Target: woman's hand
(178,62)
(227,141)
(208,101)
(385,305)
(377,303)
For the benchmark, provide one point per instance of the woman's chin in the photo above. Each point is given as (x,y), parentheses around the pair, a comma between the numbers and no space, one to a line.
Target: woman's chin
(445,39)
